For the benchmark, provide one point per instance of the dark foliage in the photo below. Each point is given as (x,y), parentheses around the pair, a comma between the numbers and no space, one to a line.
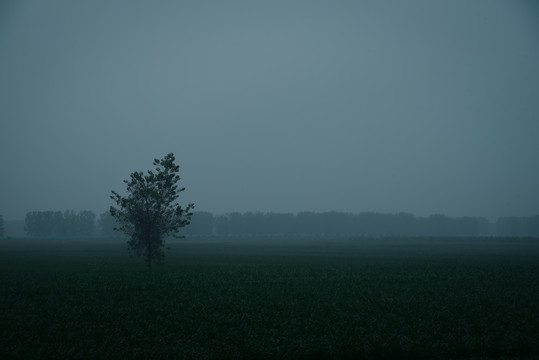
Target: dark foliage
(518,226)
(149,213)
(363,224)
(58,224)
(339,223)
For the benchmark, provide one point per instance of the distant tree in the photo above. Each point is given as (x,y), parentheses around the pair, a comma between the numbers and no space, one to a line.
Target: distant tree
(438,224)
(1,226)
(106,224)
(306,222)
(235,223)
(471,226)
(56,223)
(149,212)
(86,223)
(533,226)
(511,226)
(202,223)
(60,228)
(72,223)
(221,225)
(39,223)
(279,223)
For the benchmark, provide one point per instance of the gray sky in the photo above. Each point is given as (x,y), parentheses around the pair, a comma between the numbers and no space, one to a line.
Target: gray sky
(418,106)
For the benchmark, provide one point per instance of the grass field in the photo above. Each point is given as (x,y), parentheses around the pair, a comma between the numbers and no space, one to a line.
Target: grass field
(272,298)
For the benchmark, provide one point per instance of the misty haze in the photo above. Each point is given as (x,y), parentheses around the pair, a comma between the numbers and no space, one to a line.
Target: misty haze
(293,179)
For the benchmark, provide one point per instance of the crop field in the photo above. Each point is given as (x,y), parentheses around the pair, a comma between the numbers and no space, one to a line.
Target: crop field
(241,298)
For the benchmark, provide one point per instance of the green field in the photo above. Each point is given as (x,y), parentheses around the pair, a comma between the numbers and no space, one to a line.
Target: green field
(272,298)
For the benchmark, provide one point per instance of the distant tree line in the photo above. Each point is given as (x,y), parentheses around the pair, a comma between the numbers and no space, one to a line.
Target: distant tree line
(85,223)
(518,226)
(59,224)
(347,224)
(106,224)
(69,223)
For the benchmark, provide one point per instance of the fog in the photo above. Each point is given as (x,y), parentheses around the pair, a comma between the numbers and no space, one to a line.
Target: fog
(284,106)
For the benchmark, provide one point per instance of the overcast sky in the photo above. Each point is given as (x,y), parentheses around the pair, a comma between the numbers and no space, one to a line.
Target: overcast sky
(387,106)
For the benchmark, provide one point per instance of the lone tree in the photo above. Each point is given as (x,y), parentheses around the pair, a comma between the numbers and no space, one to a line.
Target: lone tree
(149,212)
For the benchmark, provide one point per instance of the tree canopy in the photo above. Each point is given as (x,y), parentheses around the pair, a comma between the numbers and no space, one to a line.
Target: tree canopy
(150,212)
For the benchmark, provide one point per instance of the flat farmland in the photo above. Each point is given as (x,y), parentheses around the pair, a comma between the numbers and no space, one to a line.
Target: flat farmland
(267,298)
